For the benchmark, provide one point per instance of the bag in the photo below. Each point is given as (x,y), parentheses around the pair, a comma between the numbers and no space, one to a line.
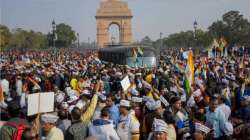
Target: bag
(17,135)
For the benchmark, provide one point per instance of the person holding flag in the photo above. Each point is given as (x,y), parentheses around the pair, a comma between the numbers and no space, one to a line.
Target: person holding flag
(189,72)
(222,45)
(215,46)
(135,57)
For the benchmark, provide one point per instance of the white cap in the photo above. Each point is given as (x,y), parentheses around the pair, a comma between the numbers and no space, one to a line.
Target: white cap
(101,96)
(201,127)
(125,103)
(153,105)
(59,98)
(134,92)
(49,118)
(150,104)
(197,93)
(72,92)
(138,74)
(118,74)
(157,104)
(72,98)
(80,104)
(86,92)
(159,126)
(136,99)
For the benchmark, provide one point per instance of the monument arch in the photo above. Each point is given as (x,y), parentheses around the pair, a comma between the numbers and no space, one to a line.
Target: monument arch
(114,12)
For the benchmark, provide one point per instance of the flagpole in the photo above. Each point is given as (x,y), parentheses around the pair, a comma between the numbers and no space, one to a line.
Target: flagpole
(215,50)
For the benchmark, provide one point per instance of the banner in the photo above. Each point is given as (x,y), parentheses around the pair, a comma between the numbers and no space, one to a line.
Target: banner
(40,103)
(125,83)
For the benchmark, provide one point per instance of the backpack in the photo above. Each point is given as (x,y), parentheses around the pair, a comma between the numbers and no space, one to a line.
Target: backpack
(17,135)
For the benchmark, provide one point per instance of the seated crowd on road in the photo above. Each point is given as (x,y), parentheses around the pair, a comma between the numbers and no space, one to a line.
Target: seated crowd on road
(90,102)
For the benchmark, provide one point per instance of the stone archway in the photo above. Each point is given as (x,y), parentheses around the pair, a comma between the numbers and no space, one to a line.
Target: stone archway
(114,12)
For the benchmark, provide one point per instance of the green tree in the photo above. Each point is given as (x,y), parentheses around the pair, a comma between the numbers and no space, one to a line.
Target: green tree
(199,39)
(233,27)
(27,39)
(65,35)
(5,35)
(146,41)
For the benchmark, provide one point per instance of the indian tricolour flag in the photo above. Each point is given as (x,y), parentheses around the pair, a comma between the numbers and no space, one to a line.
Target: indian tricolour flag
(189,72)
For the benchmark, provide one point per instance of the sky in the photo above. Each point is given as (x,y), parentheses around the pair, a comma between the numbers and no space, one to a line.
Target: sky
(150,16)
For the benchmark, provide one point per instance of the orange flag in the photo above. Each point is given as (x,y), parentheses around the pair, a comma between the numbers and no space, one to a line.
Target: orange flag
(1,94)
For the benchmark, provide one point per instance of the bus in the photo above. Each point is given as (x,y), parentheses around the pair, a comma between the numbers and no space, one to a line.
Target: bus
(133,56)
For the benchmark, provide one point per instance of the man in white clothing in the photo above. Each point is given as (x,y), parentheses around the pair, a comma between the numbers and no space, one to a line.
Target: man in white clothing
(103,128)
(128,126)
(19,85)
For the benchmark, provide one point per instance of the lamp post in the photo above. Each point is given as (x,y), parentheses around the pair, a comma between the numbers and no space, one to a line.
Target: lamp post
(159,50)
(195,29)
(54,37)
(78,40)
(161,40)
(54,32)
(88,42)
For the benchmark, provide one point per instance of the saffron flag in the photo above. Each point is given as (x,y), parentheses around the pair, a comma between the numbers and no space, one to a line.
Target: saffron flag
(223,43)
(1,94)
(189,73)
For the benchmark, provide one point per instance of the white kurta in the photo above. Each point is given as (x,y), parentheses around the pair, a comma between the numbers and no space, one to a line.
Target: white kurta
(19,85)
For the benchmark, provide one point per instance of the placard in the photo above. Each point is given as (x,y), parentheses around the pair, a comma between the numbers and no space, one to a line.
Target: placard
(40,103)
(125,83)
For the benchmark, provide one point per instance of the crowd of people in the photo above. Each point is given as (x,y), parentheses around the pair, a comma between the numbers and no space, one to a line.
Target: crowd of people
(90,102)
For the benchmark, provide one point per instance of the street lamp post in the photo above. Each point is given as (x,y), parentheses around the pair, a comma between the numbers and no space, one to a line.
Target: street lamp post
(195,29)
(54,32)
(78,40)
(54,37)
(161,40)
(160,46)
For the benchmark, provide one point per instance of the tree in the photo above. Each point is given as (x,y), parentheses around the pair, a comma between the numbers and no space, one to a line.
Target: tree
(146,41)
(196,39)
(27,39)
(5,35)
(65,35)
(233,27)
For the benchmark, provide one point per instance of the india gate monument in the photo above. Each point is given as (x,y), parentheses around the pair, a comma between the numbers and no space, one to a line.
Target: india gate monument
(114,12)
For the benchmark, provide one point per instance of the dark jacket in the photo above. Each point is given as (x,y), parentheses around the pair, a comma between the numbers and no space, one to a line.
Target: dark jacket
(77,131)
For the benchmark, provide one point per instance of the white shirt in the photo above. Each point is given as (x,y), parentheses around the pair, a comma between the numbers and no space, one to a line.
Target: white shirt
(19,85)
(225,109)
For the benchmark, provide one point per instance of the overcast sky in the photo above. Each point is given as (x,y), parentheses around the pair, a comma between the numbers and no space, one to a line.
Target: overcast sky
(150,16)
